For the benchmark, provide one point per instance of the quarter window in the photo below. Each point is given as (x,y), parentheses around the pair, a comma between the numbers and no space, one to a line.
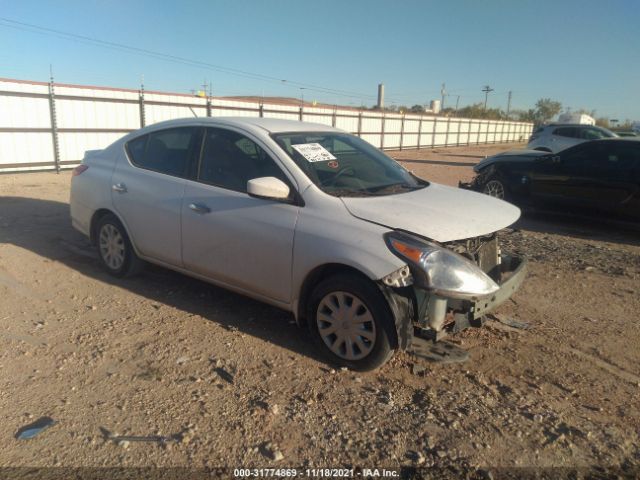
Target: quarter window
(166,151)
(230,160)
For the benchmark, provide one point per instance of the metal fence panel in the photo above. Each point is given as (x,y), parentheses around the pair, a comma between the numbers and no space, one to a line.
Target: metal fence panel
(88,118)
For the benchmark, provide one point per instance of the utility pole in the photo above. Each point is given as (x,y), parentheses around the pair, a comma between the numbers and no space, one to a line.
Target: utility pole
(486,91)
(457,102)
(509,103)
(443,92)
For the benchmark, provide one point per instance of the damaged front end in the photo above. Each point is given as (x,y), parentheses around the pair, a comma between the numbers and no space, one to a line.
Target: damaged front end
(448,287)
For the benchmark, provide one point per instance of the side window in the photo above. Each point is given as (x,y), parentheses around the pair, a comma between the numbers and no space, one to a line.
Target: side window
(591,134)
(136,149)
(565,132)
(165,151)
(230,160)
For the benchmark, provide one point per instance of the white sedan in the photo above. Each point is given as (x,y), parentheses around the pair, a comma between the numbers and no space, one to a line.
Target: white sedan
(305,217)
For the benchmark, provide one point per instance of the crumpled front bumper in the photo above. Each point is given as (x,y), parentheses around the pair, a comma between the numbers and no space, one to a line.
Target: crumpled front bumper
(512,270)
(410,305)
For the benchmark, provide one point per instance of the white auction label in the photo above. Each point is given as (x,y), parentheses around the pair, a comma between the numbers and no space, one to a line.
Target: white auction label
(314,152)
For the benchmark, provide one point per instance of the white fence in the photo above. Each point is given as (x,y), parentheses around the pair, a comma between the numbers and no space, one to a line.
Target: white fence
(45,126)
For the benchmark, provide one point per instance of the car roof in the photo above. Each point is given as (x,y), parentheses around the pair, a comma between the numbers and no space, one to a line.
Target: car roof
(270,125)
(580,125)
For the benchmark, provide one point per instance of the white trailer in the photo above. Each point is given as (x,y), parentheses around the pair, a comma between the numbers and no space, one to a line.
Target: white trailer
(580,118)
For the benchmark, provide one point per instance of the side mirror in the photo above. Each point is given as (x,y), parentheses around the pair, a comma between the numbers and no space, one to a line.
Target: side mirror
(268,187)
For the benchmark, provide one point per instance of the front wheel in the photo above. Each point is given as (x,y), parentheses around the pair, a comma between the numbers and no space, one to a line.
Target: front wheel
(494,187)
(351,322)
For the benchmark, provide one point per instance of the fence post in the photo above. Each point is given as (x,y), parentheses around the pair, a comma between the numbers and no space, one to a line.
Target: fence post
(261,110)
(301,112)
(446,136)
(333,117)
(54,126)
(360,124)
(143,119)
(382,135)
(433,132)
(402,132)
(419,130)
(469,133)
(208,106)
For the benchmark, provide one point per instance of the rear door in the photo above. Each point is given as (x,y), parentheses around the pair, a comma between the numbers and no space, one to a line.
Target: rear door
(147,189)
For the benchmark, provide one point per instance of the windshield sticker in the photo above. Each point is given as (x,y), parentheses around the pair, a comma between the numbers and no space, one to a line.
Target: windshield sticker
(313,152)
(333,164)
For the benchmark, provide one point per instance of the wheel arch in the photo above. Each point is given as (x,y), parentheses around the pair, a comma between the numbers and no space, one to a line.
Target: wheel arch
(95,220)
(313,278)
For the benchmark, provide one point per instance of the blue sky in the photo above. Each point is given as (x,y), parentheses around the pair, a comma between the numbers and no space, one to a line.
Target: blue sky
(586,54)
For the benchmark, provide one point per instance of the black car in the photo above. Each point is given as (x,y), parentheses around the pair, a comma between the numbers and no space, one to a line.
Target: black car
(601,176)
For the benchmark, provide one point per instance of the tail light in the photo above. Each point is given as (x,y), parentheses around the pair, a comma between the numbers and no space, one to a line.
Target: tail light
(79,169)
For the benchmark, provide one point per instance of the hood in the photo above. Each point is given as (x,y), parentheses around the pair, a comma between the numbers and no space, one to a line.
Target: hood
(436,212)
(522,155)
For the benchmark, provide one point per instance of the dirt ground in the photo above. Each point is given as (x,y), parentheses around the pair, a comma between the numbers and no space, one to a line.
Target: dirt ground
(235,383)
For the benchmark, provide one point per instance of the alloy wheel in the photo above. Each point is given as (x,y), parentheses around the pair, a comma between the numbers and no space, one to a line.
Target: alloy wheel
(494,188)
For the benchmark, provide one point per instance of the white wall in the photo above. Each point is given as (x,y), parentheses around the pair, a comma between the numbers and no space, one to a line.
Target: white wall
(91,118)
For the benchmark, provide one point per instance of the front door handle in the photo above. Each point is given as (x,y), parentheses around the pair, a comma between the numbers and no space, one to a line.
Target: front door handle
(119,187)
(199,208)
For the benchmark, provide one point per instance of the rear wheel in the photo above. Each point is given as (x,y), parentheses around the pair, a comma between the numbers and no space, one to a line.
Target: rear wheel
(351,322)
(116,253)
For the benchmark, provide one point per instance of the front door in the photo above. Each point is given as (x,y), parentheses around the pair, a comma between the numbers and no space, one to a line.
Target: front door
(229,236)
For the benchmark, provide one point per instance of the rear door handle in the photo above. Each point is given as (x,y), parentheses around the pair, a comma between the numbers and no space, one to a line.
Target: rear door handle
(199,208)
(119,187)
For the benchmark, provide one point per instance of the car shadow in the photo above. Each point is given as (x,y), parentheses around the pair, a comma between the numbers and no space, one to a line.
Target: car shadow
(44,228)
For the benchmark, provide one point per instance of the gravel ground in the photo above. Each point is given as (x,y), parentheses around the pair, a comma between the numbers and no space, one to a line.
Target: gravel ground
(233,383)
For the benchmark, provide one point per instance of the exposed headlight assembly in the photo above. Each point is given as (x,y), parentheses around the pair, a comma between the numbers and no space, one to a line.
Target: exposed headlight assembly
(440,270)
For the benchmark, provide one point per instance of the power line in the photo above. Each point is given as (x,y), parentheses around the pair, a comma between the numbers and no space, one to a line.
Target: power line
(178,59)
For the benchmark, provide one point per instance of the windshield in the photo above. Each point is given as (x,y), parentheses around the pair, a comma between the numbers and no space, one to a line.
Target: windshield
(345,165)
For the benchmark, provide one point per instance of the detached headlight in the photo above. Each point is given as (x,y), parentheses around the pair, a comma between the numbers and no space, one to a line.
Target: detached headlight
(441,270)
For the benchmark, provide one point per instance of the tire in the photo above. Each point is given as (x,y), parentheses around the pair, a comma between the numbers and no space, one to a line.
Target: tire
(114,248)
(366,310)
(495,187)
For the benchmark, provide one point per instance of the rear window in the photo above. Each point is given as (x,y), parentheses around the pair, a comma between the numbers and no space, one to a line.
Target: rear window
(165,151)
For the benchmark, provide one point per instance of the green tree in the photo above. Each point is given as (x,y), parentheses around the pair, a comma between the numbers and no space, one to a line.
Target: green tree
(546,109)
(417,109)
(477,110)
